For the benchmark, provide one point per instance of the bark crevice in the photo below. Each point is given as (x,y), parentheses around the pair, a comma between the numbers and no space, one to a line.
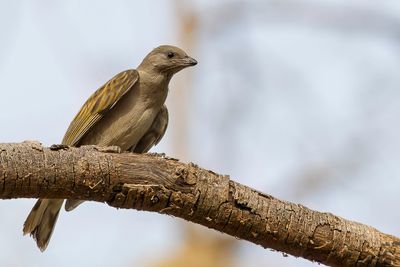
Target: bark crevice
(154,182)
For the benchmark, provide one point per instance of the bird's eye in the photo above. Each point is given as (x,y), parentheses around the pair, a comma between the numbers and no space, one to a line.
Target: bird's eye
(171,54)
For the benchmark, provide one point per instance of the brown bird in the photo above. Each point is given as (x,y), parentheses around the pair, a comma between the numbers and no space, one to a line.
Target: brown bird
(128,111)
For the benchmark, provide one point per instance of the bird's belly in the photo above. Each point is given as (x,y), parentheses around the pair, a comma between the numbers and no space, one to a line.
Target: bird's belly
(130,131)
(122,127)
(127,130)
(128,121)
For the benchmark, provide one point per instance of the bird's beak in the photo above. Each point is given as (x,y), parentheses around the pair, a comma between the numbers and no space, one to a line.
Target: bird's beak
(188,61)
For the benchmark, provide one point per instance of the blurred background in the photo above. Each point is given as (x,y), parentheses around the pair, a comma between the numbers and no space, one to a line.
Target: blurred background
(296,98)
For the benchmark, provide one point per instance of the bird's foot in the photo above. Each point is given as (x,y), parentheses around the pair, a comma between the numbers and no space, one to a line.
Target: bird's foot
(58,147)
(108,149)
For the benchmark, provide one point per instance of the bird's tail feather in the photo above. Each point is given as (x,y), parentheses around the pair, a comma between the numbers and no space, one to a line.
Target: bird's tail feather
(71,204)
(41,221)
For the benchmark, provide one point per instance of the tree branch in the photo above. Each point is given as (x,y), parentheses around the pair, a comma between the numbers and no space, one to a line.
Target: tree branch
(154,182)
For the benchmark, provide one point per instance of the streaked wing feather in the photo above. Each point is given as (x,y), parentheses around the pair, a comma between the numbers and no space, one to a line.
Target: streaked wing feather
(98,104)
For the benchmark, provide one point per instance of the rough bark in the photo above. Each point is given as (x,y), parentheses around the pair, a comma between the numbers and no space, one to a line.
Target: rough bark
(154,182)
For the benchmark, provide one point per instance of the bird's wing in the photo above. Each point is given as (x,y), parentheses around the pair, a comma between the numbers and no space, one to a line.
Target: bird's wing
(153,136)
(98,104)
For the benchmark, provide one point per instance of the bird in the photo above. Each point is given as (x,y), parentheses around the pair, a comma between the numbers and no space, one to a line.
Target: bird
(128,111)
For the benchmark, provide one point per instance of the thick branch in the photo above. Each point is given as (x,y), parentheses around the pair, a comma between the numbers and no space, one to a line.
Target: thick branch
(156,183)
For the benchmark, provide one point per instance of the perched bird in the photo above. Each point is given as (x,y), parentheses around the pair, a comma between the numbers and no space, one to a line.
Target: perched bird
(128,111)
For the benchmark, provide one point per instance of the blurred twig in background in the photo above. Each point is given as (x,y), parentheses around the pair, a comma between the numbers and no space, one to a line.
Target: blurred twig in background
(200,248)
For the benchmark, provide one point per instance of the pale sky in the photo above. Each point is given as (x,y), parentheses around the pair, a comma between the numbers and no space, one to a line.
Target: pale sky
(299,100)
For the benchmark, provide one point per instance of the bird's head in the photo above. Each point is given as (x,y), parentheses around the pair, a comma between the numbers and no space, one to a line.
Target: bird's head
(167,59)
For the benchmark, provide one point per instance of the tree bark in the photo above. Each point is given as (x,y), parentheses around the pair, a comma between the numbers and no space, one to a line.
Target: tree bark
(154,182)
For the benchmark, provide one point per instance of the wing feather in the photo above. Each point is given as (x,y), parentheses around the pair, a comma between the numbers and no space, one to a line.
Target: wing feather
(98,104)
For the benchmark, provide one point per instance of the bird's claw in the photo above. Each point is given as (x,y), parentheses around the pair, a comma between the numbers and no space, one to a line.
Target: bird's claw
(109,149)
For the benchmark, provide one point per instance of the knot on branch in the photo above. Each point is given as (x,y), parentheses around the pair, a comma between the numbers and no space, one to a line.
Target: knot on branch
(184,177)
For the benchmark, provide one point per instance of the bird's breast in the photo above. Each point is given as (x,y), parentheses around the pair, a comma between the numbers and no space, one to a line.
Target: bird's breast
(126,123)
(134,127)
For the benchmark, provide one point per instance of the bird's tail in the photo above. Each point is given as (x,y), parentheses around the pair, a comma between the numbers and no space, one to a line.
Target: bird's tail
(41,221)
